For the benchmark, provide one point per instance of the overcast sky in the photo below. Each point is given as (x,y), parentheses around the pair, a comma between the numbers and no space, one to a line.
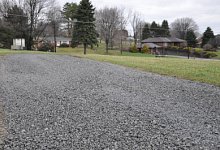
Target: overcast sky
(204,12)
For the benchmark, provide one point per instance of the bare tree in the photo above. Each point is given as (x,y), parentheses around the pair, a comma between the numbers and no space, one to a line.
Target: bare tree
(109,21)
(36,9)
(5,5)
(181,26)
(135,21)
(123,19)
(54,18)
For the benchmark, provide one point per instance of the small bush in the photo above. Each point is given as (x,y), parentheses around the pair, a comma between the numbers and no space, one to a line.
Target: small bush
(198,52)
(145,49)
(46,47)
(207,47)
(188,49)
(64,45)
(1,45)
(209,55)
(133,49)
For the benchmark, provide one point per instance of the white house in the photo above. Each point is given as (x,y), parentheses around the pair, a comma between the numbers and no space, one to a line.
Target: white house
(59,40)
(18,44)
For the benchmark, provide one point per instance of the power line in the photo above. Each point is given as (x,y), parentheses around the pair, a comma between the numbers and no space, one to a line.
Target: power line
(17,15)
(75,21)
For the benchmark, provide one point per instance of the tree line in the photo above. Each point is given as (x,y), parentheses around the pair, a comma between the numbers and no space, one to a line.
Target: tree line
(32,19)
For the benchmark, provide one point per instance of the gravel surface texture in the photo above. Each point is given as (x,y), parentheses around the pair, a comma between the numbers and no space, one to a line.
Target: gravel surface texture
(53,102)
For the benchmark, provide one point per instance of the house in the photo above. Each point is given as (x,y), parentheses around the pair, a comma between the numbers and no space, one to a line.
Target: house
(199,42)
(164,42)
(59,40)
(119,37)
(153,47)
(18,44)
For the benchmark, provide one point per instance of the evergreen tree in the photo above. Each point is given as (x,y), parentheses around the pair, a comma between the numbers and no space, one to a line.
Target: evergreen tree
(84,30)
(17,22)
(146,32)
(165,29)
(6,36)
(14,25)
(154,28)
(69,11)
(191,38)
(207,35)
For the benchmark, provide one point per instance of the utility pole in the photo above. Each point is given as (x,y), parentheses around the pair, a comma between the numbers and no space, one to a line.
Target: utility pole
(121,36)
(55,40)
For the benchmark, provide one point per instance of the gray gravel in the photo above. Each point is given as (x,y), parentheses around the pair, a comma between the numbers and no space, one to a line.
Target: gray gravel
(62,103)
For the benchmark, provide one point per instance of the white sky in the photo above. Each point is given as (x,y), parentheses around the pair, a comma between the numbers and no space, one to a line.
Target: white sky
(204,12)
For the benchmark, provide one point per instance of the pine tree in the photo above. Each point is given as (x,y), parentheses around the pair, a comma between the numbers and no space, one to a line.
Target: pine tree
(154,29)
(146,32)
(191,38)
(69,10)
(165,29)
(207,35)
(84,30)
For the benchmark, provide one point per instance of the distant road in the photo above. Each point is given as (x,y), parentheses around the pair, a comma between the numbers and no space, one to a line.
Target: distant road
(66,103)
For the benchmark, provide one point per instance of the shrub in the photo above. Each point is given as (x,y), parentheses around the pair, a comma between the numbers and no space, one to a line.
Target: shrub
(64,45)
(46,47)
(209,55)
(133,49)
(188,49)
(145,49)
(198,52)
(207,47)
(1,45)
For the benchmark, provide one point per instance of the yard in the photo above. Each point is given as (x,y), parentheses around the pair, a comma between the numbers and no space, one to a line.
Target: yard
(8,52)
(218,53)
(207,71)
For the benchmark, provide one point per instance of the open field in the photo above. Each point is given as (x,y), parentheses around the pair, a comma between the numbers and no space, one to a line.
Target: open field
(8,52)
(218,53)
(196,70)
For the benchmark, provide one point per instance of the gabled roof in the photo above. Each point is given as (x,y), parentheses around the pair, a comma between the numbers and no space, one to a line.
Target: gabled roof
(150,45)
(173,39)
(163,40)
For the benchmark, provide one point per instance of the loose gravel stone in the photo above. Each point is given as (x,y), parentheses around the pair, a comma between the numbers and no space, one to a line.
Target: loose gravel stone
(63,103)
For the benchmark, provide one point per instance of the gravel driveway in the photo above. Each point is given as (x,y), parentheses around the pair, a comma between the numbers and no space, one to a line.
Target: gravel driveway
(53,102)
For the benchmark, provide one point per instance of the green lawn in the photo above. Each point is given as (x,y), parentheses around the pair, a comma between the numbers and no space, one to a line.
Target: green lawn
(218,53)
(207,71)
(8,52)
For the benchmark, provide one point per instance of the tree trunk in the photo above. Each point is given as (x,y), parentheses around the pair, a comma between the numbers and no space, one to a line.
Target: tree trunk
(106,47)
(85,45)
(121,46)
(135,40)
(55,40)
(111,45)
(30,42)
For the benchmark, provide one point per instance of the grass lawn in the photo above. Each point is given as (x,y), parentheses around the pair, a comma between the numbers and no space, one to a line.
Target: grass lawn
(218,53)
(8,51)
(207,71)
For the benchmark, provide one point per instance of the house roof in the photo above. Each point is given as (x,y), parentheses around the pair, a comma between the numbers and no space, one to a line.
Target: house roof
(163,40)
(150,45)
